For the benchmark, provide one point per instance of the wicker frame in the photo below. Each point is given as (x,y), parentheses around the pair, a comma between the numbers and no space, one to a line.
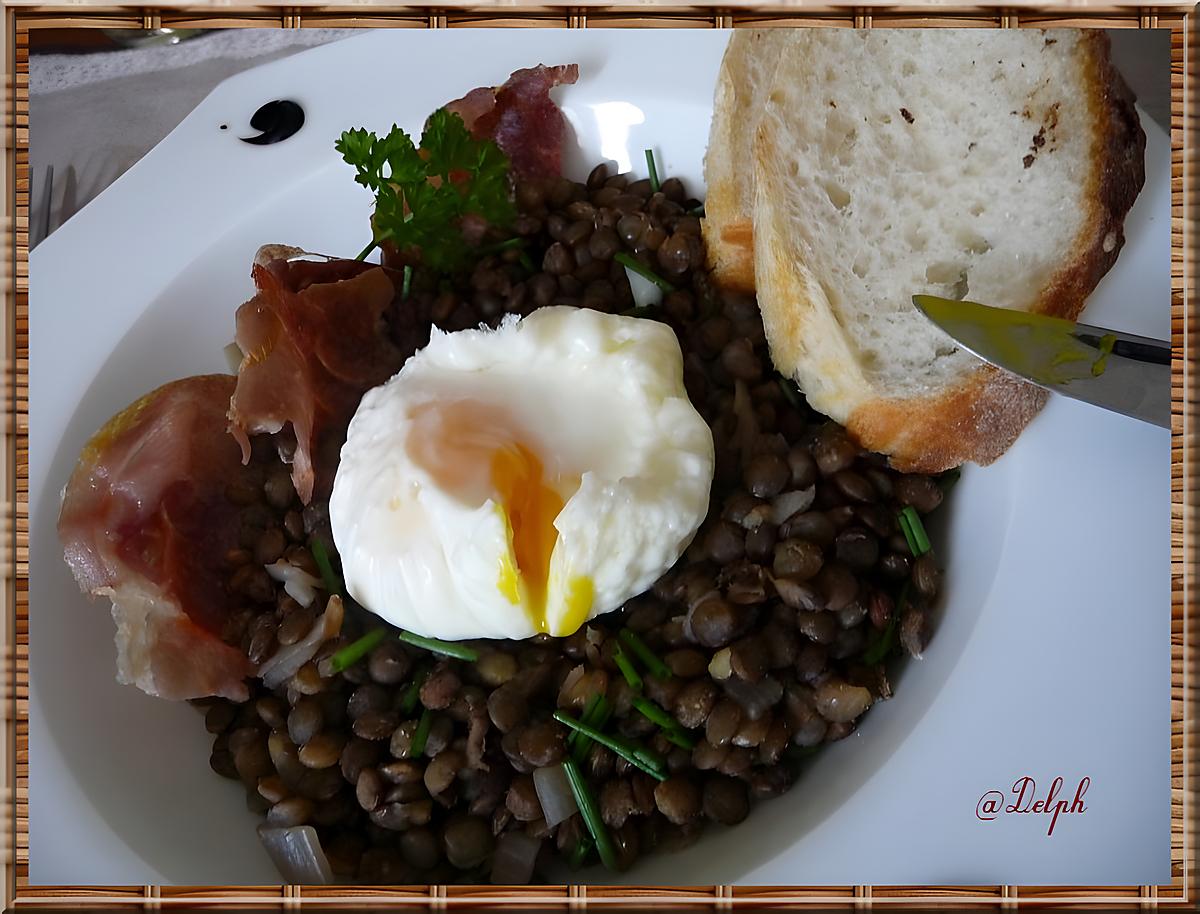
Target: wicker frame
(22,15)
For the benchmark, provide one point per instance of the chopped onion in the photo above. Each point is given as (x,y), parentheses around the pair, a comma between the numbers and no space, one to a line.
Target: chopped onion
(233,355)
(514,858)
(788,503)
(646,294)
(297,583)
(297,854)
(286,662)
(555,795)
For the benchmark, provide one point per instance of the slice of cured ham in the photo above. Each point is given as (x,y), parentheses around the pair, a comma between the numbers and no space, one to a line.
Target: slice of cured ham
(522,118)
(145,522)
(315,340)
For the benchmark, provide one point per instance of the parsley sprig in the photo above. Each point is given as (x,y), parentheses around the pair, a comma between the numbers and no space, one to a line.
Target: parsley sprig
(423,192)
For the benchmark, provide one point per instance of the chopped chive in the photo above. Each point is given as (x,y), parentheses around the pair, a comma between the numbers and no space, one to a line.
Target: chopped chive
(906,529)
(422,735)
(590,814)
(918,539)
(655,187)
(362,255)
(356,650)
(527,262)
(642,758)
(501,246)
(332,582)
(579,853)
(680,739)
(949,479)
(412,692)
(645,311)
(790,393)
(882,643)
(642,270)
(601,712)
(406,283)
(653,712)
(437,646)
(589,714)
(627,670)
(648,657)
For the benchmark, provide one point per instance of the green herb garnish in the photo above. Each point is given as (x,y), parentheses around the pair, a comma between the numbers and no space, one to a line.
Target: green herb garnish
(437,646)
(914,531)
(332,582)
(590,814)
(655,187)
(406,285)
(579,853)
(412,692)
(502,246)
(595,716)
(588,713)
(636,755)
(422,735)
(422,193)
(671,728)
(649,659)
(356,650)
(627,670)
(654,713)
(882,643)
(641,269)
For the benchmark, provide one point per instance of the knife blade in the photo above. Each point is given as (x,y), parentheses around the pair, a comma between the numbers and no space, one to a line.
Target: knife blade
(1121,372)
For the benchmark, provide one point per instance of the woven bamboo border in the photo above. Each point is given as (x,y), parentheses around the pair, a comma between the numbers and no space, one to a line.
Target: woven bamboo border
(19,16)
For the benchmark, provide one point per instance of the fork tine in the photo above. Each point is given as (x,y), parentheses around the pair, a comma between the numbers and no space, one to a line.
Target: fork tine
(47,191)
(69,197)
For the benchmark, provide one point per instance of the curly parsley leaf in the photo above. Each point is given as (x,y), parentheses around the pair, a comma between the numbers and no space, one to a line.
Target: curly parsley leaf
(422,193)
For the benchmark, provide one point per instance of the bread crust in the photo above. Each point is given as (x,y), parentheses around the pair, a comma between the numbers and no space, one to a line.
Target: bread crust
(978,418)
(728,227)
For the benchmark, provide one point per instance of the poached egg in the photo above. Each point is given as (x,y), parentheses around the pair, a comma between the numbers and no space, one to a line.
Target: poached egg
(522,480)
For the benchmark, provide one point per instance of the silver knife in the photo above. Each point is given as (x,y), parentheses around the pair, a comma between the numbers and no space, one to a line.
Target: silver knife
(1121,372)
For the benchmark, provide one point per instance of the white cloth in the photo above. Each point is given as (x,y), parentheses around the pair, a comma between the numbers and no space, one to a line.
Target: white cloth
(91,116)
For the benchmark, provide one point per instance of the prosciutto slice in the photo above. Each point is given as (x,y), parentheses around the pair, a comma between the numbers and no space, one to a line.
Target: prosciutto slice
(315,340)
(145,522)
(522,118)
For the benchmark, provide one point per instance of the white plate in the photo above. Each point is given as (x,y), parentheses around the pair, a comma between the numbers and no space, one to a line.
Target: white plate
(1051,658)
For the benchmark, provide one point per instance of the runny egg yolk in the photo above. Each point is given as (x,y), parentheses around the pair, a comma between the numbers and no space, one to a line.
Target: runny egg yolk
(530,507)
(476,451)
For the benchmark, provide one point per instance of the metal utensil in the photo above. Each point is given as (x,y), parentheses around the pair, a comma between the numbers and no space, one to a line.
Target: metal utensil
(1122,372)
(39,231)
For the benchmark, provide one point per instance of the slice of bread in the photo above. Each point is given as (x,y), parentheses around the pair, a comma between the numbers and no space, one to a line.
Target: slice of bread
(742,86)
(994,165)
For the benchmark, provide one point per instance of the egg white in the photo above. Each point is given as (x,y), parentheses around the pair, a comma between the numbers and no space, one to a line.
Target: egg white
(598,399)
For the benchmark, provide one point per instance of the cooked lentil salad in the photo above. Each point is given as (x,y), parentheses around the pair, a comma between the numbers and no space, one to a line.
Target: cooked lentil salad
(419,761)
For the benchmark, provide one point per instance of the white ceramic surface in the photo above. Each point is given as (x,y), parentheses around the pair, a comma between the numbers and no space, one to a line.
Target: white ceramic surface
(1051,657)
